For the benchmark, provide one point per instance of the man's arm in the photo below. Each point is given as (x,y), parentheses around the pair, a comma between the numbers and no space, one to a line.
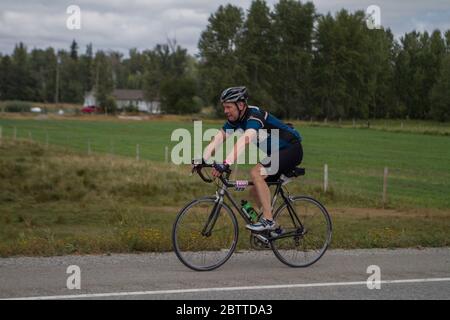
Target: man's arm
(248,136)
(218,139)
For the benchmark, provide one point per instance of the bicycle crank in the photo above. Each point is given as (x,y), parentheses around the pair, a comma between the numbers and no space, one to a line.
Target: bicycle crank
(259,242)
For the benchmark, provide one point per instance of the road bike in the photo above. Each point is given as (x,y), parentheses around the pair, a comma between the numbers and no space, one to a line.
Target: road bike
(205,232)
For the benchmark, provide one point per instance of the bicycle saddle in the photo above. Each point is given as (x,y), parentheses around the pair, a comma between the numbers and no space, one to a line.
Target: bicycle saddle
(295,173)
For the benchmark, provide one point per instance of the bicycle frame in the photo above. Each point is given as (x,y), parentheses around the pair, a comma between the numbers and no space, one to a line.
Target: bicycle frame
(194,251)
(223,192)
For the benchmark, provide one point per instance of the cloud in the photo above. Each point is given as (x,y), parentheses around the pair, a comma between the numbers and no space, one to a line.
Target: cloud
(400,16)
(122,25)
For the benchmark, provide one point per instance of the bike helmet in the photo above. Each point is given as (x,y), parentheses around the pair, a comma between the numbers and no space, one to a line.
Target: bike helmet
(234,94)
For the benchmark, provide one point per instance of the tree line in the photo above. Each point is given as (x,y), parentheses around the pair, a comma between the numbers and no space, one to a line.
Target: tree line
(296,62)
(164,73)
(300,64)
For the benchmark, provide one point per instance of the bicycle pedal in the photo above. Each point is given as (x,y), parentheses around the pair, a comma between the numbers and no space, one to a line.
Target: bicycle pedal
(277,231)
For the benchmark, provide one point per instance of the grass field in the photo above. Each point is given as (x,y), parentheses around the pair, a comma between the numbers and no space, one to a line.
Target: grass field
(390,125)
(57,199)
(419,171)
(54,202)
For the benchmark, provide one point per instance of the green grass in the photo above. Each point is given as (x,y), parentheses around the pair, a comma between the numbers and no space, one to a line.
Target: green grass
(54,202)
(391,125)
(419,171)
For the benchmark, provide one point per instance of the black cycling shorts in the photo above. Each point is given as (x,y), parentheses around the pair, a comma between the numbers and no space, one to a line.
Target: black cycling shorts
(289,158)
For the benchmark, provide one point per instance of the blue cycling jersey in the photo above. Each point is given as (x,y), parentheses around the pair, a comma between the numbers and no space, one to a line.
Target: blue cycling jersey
(255,118)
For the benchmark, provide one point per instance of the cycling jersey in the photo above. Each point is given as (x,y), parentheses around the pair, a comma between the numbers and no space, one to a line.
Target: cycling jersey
(255,118)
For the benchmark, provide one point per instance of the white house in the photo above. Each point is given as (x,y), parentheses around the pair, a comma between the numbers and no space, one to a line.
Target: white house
(125,97)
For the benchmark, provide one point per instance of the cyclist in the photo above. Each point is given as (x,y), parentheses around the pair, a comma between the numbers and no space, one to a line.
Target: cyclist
(250,119)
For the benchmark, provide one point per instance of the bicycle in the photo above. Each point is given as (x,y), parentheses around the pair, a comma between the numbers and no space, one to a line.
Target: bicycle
(205,232)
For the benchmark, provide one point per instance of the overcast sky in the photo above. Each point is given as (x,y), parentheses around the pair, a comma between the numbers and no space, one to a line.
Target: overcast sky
(121,25)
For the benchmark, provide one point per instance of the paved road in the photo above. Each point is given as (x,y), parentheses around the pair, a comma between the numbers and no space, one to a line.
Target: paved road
(340,274)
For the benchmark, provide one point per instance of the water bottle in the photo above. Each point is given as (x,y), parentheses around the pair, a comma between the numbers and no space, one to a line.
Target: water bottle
(247,207)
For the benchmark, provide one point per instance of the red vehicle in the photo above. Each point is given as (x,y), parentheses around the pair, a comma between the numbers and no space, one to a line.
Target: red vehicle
(90,109)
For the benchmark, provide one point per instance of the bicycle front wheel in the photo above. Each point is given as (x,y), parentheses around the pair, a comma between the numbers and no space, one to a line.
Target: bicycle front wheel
(305,232)
(205,234)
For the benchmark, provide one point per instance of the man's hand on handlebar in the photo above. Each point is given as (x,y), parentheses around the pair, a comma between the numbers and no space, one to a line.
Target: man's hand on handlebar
(219,168)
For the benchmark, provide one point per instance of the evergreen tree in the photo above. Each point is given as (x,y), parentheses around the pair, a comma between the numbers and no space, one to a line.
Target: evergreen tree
(87,73)
(256,50)
(344,79)
(219,62)
(74,50)
(440,96)
(293,25)
(6,83)
(24,85)
(417,67)
(380,73)
(70,86)
(104,83)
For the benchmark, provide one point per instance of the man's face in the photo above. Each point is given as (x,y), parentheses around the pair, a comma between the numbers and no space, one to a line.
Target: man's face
(230,110)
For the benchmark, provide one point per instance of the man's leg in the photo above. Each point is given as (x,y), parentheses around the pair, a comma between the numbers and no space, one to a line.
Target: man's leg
(262,190)
(254,195)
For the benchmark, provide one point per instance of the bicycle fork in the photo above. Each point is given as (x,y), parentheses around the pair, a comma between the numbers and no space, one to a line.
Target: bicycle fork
(212,219)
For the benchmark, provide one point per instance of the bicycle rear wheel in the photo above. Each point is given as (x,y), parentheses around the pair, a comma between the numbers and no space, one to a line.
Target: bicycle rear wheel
(302,241)
(202,240)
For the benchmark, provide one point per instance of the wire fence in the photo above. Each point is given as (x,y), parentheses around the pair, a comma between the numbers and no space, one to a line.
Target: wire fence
(381,186)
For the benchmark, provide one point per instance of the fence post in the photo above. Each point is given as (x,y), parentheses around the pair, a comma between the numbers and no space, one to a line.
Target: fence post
(325,178)
(137,152)
(166,154)
(385,187)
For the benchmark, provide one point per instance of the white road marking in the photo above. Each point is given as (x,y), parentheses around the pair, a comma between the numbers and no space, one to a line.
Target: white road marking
(282,286)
